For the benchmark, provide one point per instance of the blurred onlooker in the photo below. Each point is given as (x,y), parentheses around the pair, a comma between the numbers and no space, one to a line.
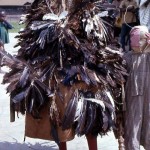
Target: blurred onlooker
(144,13)
(4,37)
(110,1)
(117,27)
(137,115)
(4,26)
(116,3)
(127,8)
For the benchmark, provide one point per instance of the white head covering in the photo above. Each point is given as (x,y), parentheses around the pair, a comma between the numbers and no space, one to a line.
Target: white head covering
(140,38)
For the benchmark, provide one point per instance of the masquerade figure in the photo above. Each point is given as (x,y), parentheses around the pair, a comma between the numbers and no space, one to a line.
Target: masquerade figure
(68,74)
(137,123)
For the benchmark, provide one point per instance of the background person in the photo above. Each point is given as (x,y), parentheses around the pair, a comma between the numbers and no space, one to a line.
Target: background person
(4,27)
(116,3)
(127,8)
(144,13)
(137,119)
(117,27)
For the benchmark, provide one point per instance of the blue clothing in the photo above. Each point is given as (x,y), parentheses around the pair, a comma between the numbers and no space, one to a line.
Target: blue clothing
(4,26)
(125,29)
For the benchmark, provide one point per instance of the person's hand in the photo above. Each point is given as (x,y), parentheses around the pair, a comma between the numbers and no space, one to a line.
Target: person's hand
(2,18)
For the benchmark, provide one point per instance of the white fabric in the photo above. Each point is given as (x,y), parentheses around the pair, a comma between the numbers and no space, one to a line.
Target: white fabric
(137,115)
(144,13)
(137,122)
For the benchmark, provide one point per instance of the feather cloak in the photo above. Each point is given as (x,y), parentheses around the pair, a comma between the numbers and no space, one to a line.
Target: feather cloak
(73,46)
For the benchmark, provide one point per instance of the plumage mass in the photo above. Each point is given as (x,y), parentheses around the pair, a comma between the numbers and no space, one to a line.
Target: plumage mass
(68,43)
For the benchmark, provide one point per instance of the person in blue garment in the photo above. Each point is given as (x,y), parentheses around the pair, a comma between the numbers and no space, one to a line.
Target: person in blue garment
(4,27)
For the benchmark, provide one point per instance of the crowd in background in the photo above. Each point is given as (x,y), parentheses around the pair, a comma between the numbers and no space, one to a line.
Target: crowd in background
(132,13)
(133,30)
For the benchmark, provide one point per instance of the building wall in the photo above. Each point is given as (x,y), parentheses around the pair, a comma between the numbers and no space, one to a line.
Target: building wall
(14,2)
(14,8)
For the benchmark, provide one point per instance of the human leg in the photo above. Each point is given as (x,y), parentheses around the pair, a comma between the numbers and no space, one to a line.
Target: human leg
(63,146)
(123,36)
(117,31)
(92,142)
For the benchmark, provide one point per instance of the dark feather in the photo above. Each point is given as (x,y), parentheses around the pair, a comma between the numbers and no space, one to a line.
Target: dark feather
(40,97)
(93,77)
(8,78)
(11,87)
(28,99)
(47,72)
(70,112)
(19,97)
(54,134)
(105,121)
(91,116)
(84,75)
(32,101)
(82,120)
(24,77)
(45,88)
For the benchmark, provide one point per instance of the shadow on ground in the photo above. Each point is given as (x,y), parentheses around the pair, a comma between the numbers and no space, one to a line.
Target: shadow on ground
(26,146)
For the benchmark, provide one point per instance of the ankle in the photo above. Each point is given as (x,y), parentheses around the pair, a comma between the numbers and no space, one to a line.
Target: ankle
(63,146)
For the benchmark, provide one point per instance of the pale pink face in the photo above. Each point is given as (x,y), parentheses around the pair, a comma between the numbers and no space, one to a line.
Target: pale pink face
(138,38)
(134,40)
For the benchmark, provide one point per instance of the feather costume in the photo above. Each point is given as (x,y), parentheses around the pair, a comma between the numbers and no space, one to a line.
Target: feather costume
(66,50)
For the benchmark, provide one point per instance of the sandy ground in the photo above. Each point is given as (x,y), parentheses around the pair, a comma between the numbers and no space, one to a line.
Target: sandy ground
(12,134)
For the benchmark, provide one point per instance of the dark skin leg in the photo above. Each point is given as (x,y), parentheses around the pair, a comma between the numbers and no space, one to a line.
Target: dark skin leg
(92,142)
(63,146)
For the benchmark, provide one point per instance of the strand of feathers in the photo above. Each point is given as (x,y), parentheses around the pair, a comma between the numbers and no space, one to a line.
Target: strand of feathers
(68,48)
